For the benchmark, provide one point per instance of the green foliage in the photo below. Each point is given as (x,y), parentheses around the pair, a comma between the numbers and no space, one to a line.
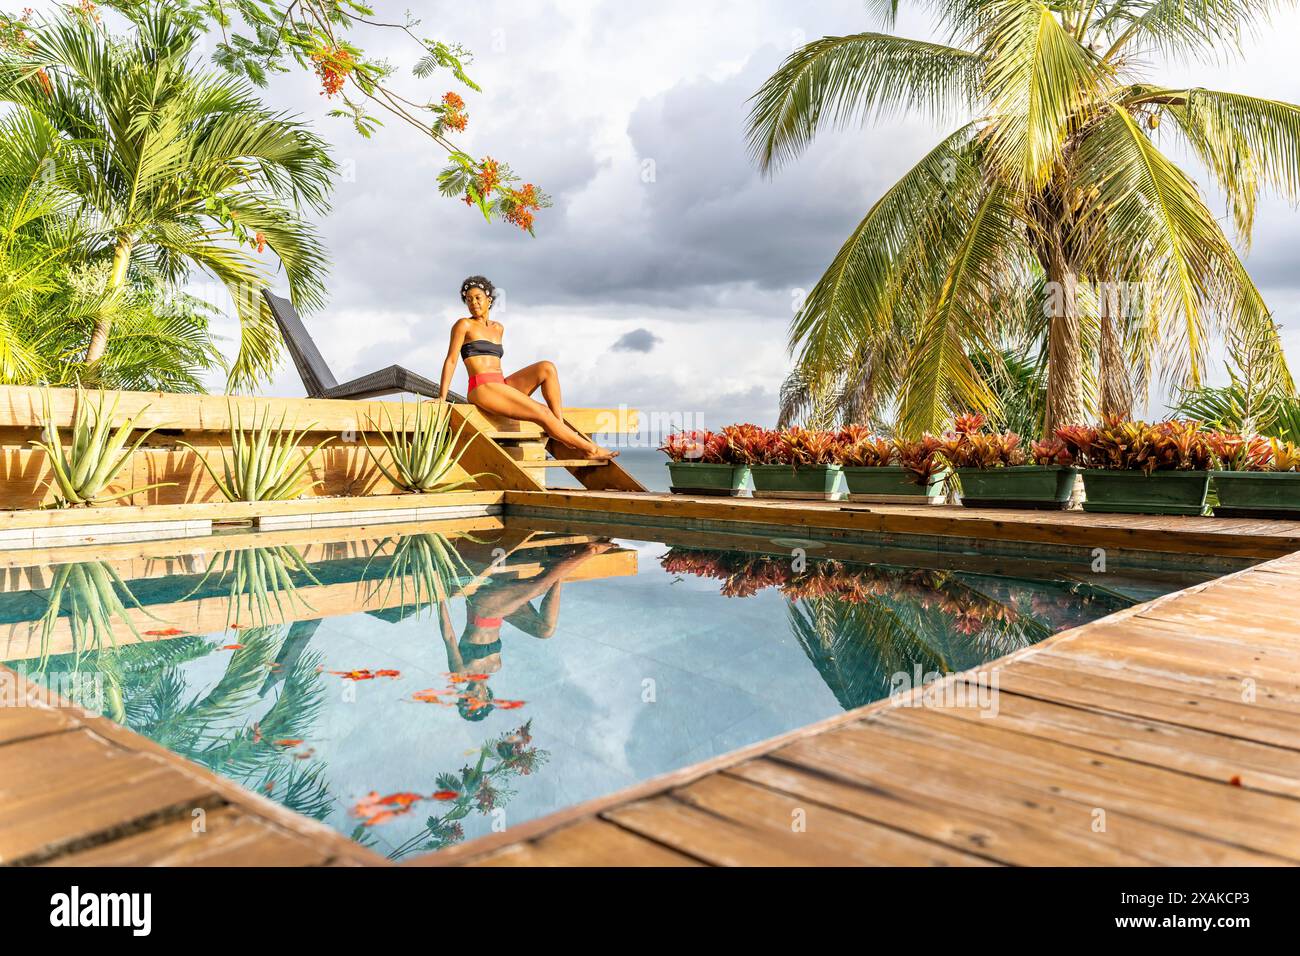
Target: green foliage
(164,169)
(1059,180)
(260,583)
(422,455)
(260,38)
(1256,400)
(84,469)
(263,462)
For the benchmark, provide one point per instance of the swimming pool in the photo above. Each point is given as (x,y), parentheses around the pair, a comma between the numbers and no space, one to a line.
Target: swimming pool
(418,688)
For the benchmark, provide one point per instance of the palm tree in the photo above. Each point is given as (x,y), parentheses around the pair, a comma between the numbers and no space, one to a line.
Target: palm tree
(176,168)
(1056,184)
(52,291)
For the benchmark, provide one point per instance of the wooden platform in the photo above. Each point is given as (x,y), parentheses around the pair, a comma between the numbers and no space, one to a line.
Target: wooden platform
(1167,734)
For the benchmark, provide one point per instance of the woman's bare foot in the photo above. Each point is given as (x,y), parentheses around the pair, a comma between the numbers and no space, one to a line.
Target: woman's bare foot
(596,453)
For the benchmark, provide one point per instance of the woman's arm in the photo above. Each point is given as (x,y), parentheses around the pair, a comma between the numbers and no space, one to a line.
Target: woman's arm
(449,363)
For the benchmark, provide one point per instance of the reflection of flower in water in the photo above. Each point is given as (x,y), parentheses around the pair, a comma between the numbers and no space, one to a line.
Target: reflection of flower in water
(475,789)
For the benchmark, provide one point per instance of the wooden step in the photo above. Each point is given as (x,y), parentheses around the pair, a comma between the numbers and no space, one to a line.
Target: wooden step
(565,463)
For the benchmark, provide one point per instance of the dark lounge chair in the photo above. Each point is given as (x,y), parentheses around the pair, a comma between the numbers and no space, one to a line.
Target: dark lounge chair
(320,382)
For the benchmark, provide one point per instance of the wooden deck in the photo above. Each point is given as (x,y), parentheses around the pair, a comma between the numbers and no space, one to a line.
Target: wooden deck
(1164,734)
(1168,734)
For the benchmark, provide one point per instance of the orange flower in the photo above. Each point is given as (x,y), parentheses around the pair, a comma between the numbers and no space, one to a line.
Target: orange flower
(259,241)
(453,100)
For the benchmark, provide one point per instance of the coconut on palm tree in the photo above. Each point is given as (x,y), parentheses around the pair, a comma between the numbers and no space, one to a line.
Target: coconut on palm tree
(174,168)
(1054,188)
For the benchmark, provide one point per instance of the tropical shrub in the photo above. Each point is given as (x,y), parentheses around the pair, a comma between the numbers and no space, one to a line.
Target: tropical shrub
(1285,455)
(263,462)
(83,470)
(969,446)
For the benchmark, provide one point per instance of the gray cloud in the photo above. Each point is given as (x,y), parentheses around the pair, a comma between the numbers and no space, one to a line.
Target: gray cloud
(638,340)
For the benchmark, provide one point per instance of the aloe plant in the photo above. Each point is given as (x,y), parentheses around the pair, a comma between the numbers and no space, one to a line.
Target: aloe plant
(84,469)
(87,593)
(423,456)
(260,464)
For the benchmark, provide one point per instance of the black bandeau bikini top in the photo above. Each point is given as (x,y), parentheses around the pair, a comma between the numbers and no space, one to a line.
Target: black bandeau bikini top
(482,347)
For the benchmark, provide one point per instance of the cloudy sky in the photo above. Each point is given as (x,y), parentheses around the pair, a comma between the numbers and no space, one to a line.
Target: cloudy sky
(665,274)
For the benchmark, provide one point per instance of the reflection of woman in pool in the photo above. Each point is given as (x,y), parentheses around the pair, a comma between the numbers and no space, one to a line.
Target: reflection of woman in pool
(479,649)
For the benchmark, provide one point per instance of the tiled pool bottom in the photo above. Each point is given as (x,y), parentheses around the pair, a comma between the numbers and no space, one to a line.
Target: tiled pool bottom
(419,691)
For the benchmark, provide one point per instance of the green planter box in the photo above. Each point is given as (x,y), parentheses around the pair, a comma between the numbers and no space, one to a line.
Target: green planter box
(1257,494)
(1132,492)
(887,484)
(1019,486)
(704,478)
(821,482)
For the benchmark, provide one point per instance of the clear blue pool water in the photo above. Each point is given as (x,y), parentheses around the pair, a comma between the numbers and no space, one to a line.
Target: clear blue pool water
(415,692)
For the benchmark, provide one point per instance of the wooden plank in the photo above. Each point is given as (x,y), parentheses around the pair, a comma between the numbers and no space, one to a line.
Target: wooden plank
(1201,753)
(1045,820)
(1152,697)
(971,812)
(240,510)
(1254,820)
(20,720)
(67,789)
(220,837)
(589,843)
(21,407)
(837,837)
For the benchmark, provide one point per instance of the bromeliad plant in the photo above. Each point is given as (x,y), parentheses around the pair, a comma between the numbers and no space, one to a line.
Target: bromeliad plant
(749,444)
(700,445)
(422,456)
(922,458)
(807,447)
(860,447)
(83,470)
(1121,444)
(1239,452)
(261,463)
(969,446)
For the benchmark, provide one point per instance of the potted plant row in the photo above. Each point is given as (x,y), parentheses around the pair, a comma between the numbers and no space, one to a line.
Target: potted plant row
(1255,477)
(883,470)
(994,470)
(1133,467)
(702,462)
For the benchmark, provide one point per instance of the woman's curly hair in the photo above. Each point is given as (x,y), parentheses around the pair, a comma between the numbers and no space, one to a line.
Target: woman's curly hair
(478,282)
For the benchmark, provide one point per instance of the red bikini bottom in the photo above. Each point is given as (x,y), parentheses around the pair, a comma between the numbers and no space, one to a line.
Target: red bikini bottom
(483,378)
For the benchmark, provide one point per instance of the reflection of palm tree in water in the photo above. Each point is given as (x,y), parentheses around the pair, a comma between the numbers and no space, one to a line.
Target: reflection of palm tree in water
(493,603)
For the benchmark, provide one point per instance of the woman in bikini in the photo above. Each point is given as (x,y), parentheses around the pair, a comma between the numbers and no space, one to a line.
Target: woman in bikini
(477,340)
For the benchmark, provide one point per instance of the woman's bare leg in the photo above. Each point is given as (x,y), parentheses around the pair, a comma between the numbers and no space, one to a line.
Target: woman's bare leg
(501,399)
(544,375)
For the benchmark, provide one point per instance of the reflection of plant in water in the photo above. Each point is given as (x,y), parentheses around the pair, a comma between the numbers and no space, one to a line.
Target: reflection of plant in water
(476,789)
(258,580)
(214,727)
(861,624)
(87,594)
(427,563)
